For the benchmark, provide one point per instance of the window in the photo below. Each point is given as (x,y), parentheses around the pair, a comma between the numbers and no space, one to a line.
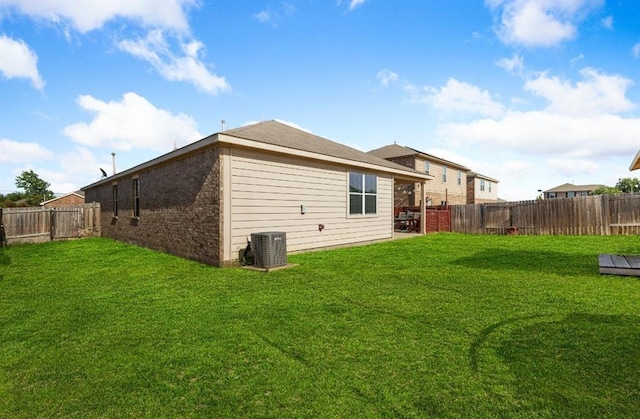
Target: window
(459,177)
(482,184)
(363,194)
(489,182)
(115,200)
(571,194)
(444,174)
(584,193)
(552,194)
(136,197)
(426,167)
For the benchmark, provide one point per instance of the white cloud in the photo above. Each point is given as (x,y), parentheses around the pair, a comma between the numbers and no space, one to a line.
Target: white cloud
(540,23)
(607,22)
(19,61)
(514,64)
(168,14)
(131,123)
(571,167)
(355,3)
(266,16)
(185,66)
(273,17)
(17,152)
(596,94)
(458,98)
(545,133)
(386,77)
(636,50)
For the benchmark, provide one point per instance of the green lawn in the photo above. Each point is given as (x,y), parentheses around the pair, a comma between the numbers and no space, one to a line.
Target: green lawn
(444,325)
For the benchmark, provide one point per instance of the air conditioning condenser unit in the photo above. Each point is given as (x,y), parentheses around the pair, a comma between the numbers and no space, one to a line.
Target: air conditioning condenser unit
(269,249)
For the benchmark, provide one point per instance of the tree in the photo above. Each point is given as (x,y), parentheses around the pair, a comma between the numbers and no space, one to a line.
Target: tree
(36,189)
(628,185)
(606,190)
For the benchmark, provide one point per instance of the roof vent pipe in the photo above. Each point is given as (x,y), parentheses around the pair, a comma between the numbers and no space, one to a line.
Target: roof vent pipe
(113,162)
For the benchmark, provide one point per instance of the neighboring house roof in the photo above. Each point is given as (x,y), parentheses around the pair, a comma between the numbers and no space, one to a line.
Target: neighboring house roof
(79,194)
(570,187)
(635,163)
(393,151)
(479,176)
(275,136)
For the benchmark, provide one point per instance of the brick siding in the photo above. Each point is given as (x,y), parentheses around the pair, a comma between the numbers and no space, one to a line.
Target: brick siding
(179,207)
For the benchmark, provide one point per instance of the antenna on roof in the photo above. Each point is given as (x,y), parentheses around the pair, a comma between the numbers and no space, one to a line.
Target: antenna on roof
(222,123)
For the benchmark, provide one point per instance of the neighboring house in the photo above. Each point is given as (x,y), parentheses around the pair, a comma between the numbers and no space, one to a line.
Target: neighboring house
(204,200)
(481,189)
(448,186)
(68,200)
(569,190)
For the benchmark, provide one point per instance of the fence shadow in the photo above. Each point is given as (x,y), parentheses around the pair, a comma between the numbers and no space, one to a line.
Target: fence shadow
(524,260)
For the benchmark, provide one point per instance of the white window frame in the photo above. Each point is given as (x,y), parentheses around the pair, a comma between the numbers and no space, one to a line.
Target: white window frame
(363,194)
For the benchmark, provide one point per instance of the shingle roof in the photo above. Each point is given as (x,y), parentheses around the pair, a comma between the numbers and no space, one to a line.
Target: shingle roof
(480,176)
(279,134)
(570,187)
(393,151)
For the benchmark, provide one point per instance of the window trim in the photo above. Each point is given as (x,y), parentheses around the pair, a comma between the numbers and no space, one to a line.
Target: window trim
(444,174)
(459,177)
(114,196)
(427,166)
(482,183)
(135,197)
(364,194)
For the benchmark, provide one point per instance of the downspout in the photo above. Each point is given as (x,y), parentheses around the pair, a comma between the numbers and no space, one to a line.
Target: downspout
(423,207)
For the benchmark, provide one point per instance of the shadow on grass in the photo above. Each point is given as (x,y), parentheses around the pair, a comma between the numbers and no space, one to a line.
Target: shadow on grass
(4,261)
(540,261)
(585,365)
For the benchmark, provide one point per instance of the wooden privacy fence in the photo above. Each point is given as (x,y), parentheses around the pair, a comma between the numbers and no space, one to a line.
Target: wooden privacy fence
(590,215)
(39,224)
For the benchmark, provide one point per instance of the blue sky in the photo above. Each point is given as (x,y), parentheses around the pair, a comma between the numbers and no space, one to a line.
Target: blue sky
(534,93)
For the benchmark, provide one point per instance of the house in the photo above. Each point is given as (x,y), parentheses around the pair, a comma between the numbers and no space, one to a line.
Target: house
(481,189)
(450,179)
(68,200)
(569,190)
(204,200)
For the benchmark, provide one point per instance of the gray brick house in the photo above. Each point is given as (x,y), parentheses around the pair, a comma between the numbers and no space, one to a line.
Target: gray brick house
(204,200)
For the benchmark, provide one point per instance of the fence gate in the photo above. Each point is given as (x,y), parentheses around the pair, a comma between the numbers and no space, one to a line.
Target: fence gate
(66,223)
(37,224)
(438,220)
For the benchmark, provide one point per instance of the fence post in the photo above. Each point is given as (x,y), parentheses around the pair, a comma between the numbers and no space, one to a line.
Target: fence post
(51,223)
(3,237)
(606,214)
